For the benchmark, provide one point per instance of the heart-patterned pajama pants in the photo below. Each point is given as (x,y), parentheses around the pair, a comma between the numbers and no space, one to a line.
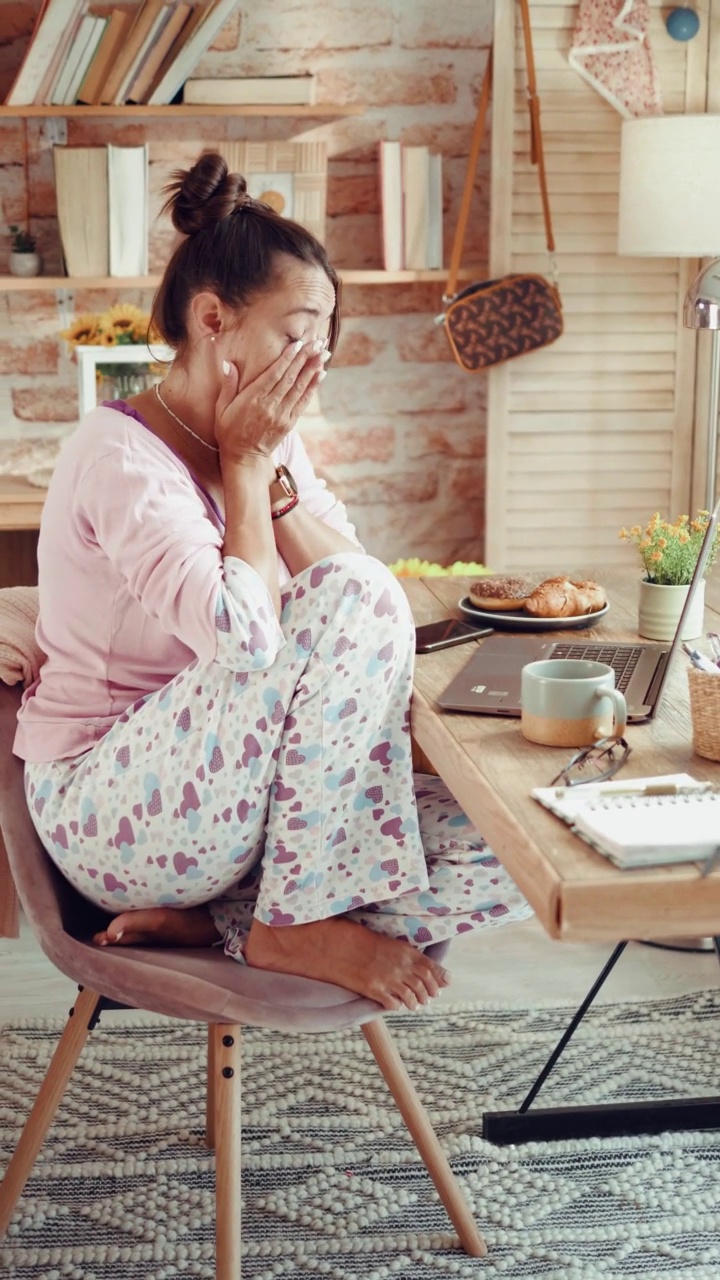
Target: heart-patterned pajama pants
(286,792)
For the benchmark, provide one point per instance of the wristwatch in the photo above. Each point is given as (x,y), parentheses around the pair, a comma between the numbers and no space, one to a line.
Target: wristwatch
(283,487)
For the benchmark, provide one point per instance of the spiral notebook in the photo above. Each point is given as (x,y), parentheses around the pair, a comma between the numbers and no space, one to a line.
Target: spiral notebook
(641,830)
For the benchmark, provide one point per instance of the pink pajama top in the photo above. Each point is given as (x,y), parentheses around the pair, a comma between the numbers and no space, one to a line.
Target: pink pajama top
(133,582)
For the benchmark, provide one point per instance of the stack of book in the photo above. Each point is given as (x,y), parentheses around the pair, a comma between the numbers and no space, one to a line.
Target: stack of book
(102,202)
(411,205)
(113,54)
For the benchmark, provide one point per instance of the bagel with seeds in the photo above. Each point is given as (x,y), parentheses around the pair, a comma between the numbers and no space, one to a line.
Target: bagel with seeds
(502,592)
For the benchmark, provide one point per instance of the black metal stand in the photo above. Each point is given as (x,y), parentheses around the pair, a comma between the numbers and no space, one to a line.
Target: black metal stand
(602,1120)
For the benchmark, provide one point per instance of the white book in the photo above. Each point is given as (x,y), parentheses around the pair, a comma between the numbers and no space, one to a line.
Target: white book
(391,204)
(55,17)
(87,57)
(435,213)
(128,209)
(415,165)
(192,51)
(67,78)
(69,65)
(271,91)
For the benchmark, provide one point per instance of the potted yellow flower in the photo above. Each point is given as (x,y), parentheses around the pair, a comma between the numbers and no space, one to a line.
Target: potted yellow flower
(669,554)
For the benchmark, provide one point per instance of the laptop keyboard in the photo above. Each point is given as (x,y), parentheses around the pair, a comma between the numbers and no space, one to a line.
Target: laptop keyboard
(623,660)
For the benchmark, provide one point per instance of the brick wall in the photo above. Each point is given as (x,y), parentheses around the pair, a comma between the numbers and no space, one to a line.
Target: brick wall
(398,430)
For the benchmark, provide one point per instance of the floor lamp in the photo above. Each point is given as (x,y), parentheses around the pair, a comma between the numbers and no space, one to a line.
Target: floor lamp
(670,208)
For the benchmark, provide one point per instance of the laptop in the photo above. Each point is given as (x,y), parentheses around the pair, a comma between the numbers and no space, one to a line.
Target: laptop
(490,682)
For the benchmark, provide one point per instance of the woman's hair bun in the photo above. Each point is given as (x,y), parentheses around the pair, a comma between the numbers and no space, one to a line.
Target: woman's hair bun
(200,197)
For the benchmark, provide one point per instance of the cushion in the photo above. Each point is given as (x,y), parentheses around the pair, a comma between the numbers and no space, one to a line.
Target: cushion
(20,655)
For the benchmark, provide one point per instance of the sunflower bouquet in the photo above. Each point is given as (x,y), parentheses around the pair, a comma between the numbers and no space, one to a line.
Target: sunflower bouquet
(123,325)
(668,551)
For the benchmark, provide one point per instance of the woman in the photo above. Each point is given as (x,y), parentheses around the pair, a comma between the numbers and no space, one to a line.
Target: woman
(218,746)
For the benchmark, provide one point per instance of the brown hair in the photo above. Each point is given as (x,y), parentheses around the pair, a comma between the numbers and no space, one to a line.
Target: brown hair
(231,245)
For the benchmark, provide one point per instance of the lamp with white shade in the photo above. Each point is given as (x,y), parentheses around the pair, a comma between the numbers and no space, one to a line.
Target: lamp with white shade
(670,208)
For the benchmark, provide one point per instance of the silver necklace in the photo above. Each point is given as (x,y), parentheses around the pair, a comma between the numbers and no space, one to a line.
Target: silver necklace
(182,424)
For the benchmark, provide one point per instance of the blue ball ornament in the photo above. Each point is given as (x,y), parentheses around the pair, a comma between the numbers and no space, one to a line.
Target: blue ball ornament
(682,24)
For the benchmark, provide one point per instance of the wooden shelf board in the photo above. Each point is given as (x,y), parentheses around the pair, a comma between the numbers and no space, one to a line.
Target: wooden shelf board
(318,111)
(15,284)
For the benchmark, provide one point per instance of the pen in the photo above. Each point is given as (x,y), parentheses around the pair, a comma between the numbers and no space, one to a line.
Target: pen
(659,789)
(648,789)
(699,660)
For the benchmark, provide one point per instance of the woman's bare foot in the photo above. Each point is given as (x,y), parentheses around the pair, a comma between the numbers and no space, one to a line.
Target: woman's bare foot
(160,926)
(384,969)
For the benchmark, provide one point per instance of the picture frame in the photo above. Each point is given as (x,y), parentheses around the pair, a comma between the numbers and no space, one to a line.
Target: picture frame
(289,176)
(90,357)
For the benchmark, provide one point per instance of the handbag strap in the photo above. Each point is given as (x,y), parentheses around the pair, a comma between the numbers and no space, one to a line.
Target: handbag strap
(537,155)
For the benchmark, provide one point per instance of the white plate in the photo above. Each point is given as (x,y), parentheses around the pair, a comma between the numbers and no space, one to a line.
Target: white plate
(519,620)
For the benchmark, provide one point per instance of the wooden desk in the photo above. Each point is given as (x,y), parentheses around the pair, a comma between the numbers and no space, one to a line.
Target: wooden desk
(490,769)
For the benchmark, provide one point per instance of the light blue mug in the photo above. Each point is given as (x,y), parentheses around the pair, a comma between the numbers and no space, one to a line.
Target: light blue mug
(570,702)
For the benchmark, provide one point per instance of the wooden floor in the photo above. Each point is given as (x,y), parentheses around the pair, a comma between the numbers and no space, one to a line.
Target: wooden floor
(515,964)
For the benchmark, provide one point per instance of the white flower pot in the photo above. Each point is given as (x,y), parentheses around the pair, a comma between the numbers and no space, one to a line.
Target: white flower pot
(660,608)
(25,264)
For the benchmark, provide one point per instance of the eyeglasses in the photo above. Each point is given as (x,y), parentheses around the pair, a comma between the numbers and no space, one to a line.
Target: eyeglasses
(594,764)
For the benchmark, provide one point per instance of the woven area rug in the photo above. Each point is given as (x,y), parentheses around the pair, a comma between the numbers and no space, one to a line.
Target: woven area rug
(332,1187)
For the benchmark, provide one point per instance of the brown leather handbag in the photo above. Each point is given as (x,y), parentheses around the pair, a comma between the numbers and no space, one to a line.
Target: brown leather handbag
(494,321)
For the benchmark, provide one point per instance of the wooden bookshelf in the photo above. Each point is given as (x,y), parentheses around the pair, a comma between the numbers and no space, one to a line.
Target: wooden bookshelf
(181,110)
(24,284)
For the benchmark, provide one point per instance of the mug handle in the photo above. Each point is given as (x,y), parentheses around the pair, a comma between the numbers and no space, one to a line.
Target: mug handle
(619,706)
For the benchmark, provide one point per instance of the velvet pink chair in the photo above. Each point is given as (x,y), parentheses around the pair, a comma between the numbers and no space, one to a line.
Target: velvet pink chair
(198,984)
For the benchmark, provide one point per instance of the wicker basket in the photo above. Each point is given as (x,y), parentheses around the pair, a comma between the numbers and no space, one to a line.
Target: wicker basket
(705,713)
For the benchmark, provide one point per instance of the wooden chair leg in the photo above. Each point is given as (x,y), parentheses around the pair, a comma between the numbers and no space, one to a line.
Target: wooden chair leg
(228,1117)
(46,1104)
(210,1098)
(416,1118)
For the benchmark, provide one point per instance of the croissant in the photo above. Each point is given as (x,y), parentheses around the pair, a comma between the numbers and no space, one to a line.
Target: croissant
(560,598)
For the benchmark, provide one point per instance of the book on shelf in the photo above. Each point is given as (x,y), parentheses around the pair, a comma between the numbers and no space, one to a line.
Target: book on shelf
(147,73)
(391,204)
(148,20)
(128,210)
(116,32)
(154,33)
(51,28)
(195,38)
(77,60)
(411,207)
(102,202)
(270,91)
(81,182)
(56,62)
(641,823)
(415,180)
(435,213)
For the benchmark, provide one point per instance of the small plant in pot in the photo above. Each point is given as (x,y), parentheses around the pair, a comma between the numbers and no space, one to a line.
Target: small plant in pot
(24,258)
(669,554)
